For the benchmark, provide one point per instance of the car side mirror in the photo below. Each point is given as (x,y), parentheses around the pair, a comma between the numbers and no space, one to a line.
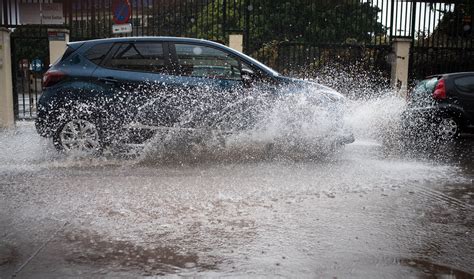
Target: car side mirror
(248,77)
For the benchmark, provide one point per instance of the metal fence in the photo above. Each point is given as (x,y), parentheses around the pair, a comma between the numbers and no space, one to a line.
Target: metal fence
(442,38)
(303,34)
(28,45)
(294,36)
(284,32)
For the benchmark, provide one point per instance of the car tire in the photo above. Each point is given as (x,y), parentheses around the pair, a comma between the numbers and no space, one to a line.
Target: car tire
(78,135)
(448,128)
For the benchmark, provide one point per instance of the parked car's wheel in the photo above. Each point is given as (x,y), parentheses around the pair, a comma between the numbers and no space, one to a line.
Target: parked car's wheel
(448,128)
(78,135)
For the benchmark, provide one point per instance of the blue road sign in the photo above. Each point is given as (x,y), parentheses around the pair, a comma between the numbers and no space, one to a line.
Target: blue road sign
(121,10)
(37,65)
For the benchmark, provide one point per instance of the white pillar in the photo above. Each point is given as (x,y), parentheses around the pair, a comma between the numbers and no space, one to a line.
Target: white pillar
(399,75)
(236,41)
(7,116)
(58,39)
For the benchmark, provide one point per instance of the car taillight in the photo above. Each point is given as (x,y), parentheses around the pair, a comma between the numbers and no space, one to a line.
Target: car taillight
(440,90)
(52,77)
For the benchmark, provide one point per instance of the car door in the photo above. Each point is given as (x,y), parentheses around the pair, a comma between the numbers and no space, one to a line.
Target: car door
(134,73)
(213,92)
(465,88)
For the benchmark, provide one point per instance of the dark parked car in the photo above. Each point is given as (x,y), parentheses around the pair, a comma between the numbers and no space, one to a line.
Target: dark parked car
(442,105)
(124,90)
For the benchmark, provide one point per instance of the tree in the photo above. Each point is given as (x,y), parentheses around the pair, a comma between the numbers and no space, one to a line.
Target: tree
(339,21)
(458,22)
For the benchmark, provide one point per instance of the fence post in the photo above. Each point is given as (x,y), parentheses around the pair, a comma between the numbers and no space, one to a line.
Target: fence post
(58,39)
(248,9)
(236,42)
(400,65)
(7,115)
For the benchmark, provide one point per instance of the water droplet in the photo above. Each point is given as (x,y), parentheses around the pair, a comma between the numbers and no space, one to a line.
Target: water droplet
(190,265)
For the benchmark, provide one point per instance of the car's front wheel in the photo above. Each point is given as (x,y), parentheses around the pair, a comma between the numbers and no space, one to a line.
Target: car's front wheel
(78,135)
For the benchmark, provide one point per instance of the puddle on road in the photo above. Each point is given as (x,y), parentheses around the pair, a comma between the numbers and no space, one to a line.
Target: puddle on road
(461,191)
(8,254)
(432,270)
(247,197)
(150,260)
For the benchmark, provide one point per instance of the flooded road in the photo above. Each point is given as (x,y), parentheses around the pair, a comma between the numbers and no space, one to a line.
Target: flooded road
(373,210)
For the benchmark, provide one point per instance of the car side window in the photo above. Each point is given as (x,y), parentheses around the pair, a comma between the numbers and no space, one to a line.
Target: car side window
(97,53)
(138,56)
(208,62)
(465,84)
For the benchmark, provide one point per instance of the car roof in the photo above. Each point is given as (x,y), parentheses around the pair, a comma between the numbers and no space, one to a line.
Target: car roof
(144,39)
(451,74)
(90,43)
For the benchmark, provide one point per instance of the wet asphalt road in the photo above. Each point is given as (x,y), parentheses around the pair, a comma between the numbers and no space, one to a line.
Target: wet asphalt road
(372,211)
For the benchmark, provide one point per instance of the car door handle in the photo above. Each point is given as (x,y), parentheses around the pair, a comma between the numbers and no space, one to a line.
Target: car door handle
(108,80)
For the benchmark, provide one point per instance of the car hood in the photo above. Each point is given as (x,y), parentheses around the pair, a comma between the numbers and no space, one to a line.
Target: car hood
(301,86)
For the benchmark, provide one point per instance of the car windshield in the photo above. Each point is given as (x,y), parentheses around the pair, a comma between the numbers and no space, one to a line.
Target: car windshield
(261,65)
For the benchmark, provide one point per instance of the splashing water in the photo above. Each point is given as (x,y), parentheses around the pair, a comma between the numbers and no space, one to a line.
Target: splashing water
(376,118)
(300,119)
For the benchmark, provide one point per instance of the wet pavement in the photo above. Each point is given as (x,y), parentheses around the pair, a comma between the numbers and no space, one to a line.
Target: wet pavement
(375,210)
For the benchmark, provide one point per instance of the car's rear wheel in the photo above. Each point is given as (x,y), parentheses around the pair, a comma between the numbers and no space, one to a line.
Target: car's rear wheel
(448,128)
(78,135)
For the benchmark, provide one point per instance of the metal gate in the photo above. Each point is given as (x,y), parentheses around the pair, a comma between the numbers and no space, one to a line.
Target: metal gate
(442,37)
(441,32)
(30,59)
(302,34)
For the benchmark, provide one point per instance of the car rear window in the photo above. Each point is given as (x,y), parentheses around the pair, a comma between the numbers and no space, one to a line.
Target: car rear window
(422,93)
(465,84)
(98,52)
(67,53)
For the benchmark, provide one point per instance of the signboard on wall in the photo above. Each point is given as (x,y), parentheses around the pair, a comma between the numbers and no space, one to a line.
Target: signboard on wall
(52,13)
(41,13)
(56,36)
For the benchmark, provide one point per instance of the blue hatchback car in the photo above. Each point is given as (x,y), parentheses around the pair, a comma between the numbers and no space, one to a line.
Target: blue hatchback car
(123,90)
